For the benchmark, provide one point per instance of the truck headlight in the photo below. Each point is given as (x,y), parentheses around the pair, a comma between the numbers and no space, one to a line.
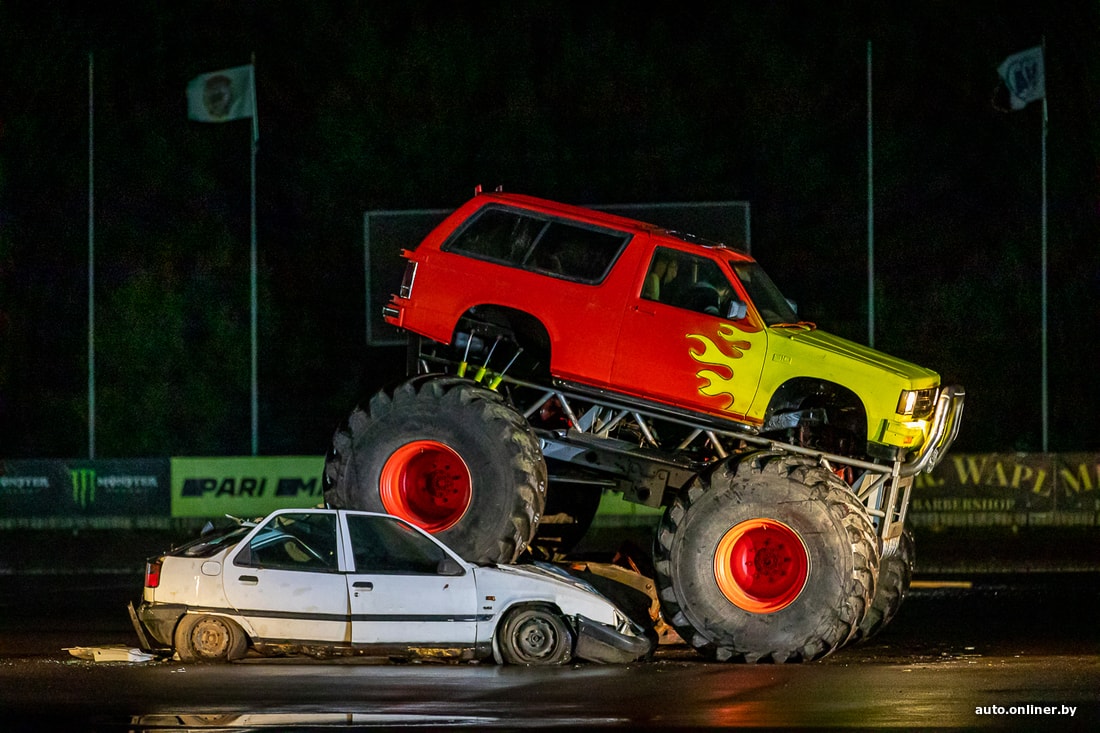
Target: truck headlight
(917,402)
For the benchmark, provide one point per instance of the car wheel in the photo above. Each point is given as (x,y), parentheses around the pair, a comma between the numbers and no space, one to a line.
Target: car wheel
(203,638)
(773,559)
(534,635)
(446,455)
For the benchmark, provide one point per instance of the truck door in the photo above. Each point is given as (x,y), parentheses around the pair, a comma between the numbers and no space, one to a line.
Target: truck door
(678,345)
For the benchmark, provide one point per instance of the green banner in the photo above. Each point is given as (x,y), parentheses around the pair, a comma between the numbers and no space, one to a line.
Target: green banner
(244,487)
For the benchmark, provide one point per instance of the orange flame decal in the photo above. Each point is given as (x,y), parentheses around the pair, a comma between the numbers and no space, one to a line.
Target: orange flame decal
(718,353)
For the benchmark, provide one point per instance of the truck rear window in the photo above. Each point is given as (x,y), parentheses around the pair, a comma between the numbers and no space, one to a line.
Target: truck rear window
(540,244)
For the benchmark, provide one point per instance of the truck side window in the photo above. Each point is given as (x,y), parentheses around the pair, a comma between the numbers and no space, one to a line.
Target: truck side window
(576,252)
(497,234)
(543,245)
(686,281)
(662,272)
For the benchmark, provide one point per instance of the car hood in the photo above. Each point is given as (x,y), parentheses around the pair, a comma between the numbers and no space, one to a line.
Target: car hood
(545,571)
(831,345)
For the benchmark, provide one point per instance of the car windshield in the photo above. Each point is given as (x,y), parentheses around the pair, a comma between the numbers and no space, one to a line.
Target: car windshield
(772,306)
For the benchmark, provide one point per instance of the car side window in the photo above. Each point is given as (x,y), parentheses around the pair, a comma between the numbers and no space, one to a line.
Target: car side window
(383,545)
(538,244)
(295,542)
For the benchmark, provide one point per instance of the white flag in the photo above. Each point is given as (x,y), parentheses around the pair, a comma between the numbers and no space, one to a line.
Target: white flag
(1024,76)
(221,96)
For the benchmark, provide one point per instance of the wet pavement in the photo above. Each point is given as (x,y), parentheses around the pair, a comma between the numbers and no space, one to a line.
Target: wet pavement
(1013,652)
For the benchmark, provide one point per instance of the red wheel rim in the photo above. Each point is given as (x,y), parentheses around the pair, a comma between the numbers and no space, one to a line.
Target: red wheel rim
(427,483)
(761,565)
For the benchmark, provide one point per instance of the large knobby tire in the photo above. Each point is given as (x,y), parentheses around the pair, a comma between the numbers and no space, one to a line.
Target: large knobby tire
(446,455)
(894,578)
(205,638)
(534,635)
(571,505)
(771,559)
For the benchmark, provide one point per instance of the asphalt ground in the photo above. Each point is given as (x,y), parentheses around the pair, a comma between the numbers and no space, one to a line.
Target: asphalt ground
(1001,651)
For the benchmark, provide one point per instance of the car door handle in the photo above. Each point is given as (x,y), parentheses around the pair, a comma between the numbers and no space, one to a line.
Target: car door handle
(365,585)
(639,309)
(249,579)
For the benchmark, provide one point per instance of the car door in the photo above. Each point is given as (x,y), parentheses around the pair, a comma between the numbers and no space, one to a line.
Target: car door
(677,344)
(285,579)
(398,591)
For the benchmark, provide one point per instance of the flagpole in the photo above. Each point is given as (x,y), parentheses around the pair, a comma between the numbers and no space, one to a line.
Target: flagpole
(91,256)
(1043,298)
(870,213)
(255,144)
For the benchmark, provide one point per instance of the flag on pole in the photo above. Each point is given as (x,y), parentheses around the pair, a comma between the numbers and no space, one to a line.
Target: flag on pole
(221,96)
(1024,76)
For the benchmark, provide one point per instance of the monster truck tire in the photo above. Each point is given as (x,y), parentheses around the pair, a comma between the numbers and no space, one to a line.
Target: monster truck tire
(447,455)
(771,559)
(894,577)
(571,506)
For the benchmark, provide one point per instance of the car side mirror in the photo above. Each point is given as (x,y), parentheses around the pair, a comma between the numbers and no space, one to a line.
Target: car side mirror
(244,557)
(736,310)
(450,566)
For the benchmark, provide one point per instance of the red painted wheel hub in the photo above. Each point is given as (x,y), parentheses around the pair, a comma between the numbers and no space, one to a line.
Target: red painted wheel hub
(761,565)
(427,483)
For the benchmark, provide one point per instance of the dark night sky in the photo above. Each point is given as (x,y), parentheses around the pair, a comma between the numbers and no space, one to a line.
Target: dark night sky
(379,105)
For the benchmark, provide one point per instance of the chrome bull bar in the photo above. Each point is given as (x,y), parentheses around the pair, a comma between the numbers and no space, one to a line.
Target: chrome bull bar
(946,421)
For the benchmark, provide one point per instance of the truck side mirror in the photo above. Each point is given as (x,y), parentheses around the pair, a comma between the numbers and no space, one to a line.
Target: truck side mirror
(736,310)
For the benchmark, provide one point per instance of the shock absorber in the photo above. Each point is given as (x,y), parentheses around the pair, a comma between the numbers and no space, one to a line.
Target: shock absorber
(480,374)
(499,377)
(466,355)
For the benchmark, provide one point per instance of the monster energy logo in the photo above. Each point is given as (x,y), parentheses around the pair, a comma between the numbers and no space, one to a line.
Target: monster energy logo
(83,487)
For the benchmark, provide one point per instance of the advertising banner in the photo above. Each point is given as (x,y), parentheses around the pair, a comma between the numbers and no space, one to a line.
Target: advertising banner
(85,490)
(244,487)
(1009,489)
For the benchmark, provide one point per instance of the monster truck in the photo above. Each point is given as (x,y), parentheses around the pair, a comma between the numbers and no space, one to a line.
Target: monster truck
(557,352)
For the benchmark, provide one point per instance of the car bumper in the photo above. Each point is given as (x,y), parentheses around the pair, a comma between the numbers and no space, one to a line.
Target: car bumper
(158,620)
(598,642)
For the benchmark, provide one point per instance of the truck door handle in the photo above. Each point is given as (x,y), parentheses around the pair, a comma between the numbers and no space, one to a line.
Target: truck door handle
(249,579)
(639,309)
(365,585)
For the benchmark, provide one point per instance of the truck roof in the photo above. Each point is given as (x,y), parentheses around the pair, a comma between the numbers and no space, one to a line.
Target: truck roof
(602,218)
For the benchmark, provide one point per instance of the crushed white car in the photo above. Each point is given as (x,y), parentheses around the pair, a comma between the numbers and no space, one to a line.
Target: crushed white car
(326,582)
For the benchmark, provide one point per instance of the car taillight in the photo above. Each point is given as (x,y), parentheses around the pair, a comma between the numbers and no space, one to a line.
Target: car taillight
(152,573)
(407,281)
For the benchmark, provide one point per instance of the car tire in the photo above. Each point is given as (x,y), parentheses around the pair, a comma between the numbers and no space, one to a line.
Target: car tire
(771,559)
(207,638)
(534,635)
(894,578)
(449,456)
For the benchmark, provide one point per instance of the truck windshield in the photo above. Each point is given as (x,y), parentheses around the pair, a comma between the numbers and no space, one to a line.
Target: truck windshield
(773,307)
